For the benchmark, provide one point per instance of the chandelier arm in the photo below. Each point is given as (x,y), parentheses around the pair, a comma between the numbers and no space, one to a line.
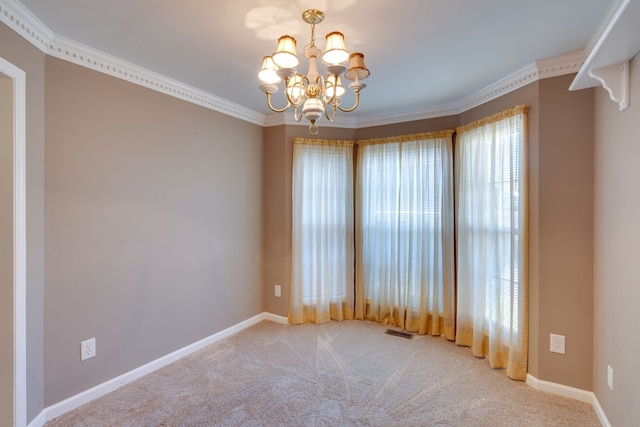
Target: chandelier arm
(276,110)
(296,117)
(333,108)
(286,91)
(348,110)
(323,85)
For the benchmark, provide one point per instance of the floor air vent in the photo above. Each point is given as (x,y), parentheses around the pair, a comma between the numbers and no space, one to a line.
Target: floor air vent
(401,334)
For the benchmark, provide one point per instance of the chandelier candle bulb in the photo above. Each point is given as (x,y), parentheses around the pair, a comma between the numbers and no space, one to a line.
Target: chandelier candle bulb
(334,84)
(294,89)
(314,94)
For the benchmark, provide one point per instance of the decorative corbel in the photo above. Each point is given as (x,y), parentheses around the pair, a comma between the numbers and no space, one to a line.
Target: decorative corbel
(615,80)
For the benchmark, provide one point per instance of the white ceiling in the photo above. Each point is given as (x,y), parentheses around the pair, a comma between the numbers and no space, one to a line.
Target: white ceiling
(420,52)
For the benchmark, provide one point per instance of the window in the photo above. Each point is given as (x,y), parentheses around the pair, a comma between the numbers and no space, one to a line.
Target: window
(322,259)
(491,203)
(404,232)
(406,257)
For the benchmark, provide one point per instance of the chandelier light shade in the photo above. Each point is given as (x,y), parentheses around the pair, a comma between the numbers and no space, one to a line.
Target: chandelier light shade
(335,52)
(268,73)
(313,95)
(357,70)
(285,56)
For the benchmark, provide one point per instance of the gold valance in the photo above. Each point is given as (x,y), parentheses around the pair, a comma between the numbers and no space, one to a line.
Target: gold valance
(519,109)
(410,137)
(315,141)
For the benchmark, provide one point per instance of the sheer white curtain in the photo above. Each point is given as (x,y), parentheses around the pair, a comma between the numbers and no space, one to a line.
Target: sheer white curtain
(405,233)
(322,285)
(492,239)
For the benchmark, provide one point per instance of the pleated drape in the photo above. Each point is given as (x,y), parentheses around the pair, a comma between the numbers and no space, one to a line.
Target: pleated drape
(405,233)
(323,236)
(492,313)
(418,255)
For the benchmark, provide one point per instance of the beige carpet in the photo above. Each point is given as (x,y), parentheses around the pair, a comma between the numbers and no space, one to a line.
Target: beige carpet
(337,374)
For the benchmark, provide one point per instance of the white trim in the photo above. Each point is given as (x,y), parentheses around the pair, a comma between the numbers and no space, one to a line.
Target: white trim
(569,63)
(39,420)
(100,390)
(287,118)
(551,67)
(615,80)
(408,115)
(275,318)
(19,18)
(72,51)
(613,43)
(22,21)
(19,242)
(570,392)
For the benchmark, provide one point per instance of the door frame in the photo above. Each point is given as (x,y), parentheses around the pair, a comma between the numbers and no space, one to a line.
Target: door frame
(19,242)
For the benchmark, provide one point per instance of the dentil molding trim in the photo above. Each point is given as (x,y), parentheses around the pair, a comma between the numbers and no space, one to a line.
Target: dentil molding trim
(74,52)
(22,21)
(551,67)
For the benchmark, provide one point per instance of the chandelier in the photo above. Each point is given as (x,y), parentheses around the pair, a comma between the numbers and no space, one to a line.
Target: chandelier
(313,95)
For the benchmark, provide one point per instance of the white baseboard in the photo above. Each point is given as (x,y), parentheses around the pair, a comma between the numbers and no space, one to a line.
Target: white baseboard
(87,396)
(275,318)
(571,392)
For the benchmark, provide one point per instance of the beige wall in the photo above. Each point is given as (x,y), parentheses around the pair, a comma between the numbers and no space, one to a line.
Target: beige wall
(23,55)
(167,222)
(276,220)
(560,224)
(278,168)
(565,212)
(6,250)
(616,254)
(153,225)
(560,215)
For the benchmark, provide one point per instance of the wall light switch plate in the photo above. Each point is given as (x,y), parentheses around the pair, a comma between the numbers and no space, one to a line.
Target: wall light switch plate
(278,291)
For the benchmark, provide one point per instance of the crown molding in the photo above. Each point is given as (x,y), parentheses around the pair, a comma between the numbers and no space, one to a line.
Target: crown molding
(69,50)
(568,63)
(552,67)
(21,20)
(286,118)
(408,115)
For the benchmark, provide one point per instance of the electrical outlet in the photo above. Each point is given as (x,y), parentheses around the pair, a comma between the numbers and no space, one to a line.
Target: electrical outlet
(557,344)
(278,291)
(610,377)
(87,349)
